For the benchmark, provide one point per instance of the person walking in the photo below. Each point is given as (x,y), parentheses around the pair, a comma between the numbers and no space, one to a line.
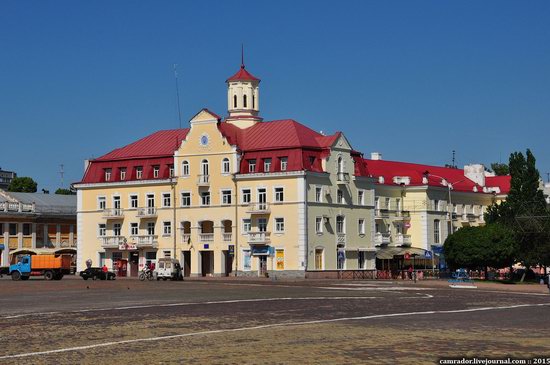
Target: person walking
(105,270)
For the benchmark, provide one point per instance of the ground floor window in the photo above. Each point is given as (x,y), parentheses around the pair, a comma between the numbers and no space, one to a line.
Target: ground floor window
(115,257)
(247,262)
(280,259)
(319,259)
(361,259)
(341,259)
(151,259)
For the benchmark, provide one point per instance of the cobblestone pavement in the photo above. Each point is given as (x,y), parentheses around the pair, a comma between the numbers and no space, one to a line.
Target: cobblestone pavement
(263,322)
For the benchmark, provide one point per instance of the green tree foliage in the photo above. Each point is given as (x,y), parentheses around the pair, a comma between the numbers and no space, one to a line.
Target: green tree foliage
(500,169)
(23,185)
(62,191)
(481,247)
(525,210)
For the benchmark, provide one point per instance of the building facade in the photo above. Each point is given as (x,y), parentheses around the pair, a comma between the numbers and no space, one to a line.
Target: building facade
(243,196)
(36,224)
(5,178)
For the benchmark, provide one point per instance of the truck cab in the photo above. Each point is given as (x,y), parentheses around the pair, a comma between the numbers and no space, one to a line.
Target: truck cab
(21,269)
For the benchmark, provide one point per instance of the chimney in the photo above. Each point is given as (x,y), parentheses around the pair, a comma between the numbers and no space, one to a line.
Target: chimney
(476,173)
(86,163)
(375,156)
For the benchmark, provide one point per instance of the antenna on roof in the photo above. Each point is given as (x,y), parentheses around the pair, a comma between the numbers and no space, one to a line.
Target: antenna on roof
(62,173)
(177,93)
(454,160)
(242,55)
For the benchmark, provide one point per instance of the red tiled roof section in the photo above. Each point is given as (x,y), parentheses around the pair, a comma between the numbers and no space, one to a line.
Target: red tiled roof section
(243,75)
(502,182)
(161,143)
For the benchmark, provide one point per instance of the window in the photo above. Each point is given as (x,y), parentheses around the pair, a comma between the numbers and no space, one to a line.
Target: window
(267,164)
(340,197)
(101,229)
(361,260)
(156,170)
(27,229)
(279,195)
(340,224)
(398,204)
(262,224)
(284,163)
(318,194)
(101,203)
(234,101)
(134,229)
(150,200)
(251,165)
(116,229)
(139,172)
(13,229)
(244,101)
(280,258)
(171,170)
(247,260)
(361,226)
(436,204)
(166,200)
(116,202)
(319,259)
(311,160)
(246,225)
(205,198)
(388,203)
(341,259)
(166,228)
(185,168)
(319,224)
(246,196)
(279,224)
(123,173)
(361,197)
(186,199)
(226,197)
(437,229)
(205,168)
(108,174)
(150,228)
(340,165)
(133,201)
(225,166)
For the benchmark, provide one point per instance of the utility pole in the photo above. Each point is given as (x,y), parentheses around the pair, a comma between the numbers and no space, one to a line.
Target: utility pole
(62,173)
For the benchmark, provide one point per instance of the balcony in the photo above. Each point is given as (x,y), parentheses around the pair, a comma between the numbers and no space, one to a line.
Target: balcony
(185,237)
(148,240)
(148,212)
(258,208)
(206,237)
(204,180)
(17,207)
(259,238)
(114,213)
(402,239)
(112,241)
(381,213)
(342,178)
(340,239)
(227,236)
(382,238)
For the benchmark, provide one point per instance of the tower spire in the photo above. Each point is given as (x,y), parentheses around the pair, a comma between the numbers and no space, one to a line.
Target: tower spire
(242,55)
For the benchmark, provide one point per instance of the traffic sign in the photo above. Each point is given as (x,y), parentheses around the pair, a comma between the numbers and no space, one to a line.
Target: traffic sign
(428,254)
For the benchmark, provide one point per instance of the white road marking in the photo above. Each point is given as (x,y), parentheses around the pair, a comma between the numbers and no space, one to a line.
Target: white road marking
(274,325)
(391,288)
(181,304)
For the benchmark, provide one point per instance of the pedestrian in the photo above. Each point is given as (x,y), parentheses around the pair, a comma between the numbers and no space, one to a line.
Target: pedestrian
(410,272)
(548,282)
(105,270)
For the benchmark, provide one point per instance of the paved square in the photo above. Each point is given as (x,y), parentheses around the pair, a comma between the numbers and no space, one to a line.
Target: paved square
(234,322)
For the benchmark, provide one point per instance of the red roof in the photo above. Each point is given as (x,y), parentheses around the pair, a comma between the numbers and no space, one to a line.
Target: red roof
(243,75)
(390,169)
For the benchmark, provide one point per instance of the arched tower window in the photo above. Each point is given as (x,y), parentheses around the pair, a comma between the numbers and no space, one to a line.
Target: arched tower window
(340,164)
(235,101)
(253,102)
(244,101)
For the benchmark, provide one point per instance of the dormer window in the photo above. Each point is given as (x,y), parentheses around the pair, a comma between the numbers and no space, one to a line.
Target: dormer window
(108,174)
(139,172)
(156,170)
(251,165)
(284,163)
(267,164)
(244,101)
(311,160)
(171,170)
(123,173)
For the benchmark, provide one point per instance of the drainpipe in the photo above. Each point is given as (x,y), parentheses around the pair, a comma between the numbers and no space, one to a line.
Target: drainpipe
(235,253)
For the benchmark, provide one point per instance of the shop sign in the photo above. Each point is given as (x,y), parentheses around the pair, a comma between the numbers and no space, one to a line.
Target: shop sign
(261,251)
(231,250)
(206,246)
(280,259)
(127,246)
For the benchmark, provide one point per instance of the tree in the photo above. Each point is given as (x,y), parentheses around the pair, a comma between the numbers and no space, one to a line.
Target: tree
(481,247)
(23,185)
(62,191)
(525,211)
(500,169)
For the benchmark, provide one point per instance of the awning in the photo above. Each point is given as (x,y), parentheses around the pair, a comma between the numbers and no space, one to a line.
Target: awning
(31,251)
(260,250)
(388,253)
(65,250)
(367,249)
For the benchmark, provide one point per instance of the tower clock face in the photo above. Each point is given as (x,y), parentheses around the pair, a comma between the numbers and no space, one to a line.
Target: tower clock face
(204,140)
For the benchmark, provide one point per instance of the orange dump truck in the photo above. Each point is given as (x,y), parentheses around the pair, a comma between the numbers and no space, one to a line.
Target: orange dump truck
(51,266)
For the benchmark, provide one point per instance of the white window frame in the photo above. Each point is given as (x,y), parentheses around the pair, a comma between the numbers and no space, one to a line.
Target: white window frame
(101,199)
(101,230)
(149,226)
(117,227)
(340,199)
(223,194)
(343,231)
(245,224)
(284,163)
(276,193)
(319,228)
(252,165)
(139,172)
(130,200)
(203,195)
(122,173)
(437,231)
(361,197)
(156,171)
(320,190)
(190,199)
(185,168)
(361,226)
(267,164)
(249,196)
(108,174)
(164,199)
(276,223)
(136,226)
(116,198)
(226,166)
(166,228)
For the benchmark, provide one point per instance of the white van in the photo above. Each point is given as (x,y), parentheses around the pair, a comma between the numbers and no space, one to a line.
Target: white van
(168,269)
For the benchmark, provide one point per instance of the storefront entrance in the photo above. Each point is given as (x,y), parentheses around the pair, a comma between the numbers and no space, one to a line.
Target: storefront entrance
(133,260)
(228,259)
(207,263)
(186,261)
(262,265)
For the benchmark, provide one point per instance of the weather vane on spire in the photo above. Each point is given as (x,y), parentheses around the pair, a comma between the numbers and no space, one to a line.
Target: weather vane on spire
(242,55)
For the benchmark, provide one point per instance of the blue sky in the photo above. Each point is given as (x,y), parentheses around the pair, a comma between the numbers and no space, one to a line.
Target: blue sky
(411,79)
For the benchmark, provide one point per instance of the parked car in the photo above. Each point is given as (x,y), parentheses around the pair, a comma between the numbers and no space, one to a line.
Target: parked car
(168,269)
(95,273)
